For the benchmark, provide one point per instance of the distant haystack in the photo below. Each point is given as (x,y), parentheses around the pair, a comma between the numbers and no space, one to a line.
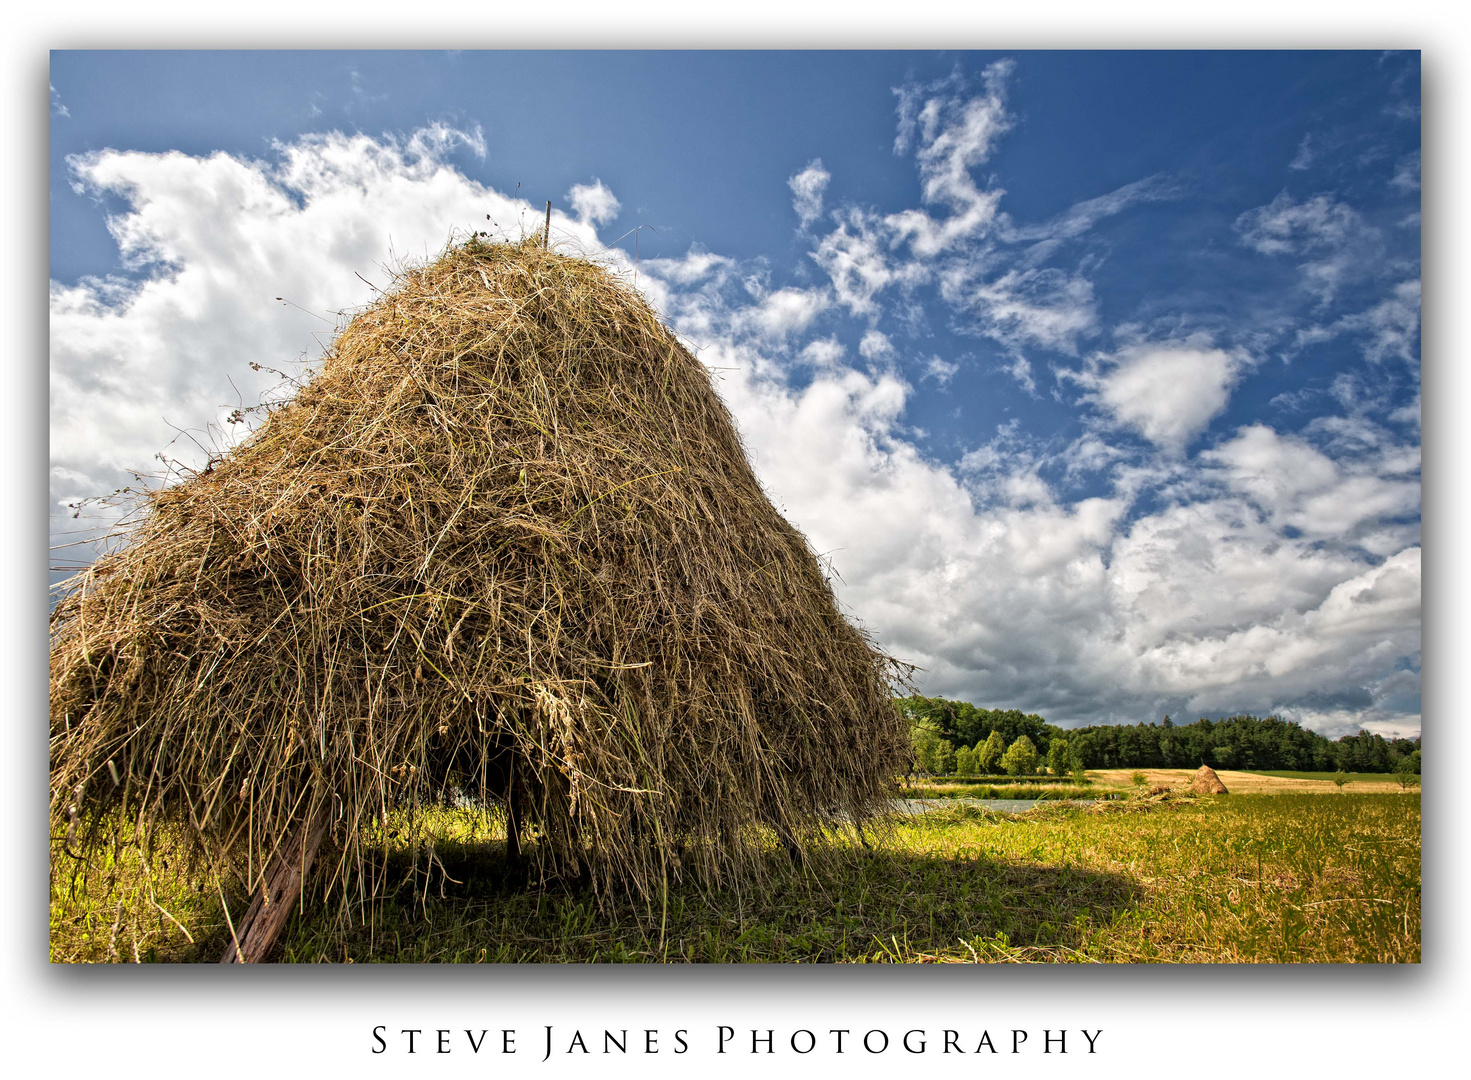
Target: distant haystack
(506,543)
(1206,782)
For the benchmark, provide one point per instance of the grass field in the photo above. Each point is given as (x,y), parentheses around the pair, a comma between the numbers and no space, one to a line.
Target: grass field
(1101,781)
(1252,783)
(1352,778)
(1286,878)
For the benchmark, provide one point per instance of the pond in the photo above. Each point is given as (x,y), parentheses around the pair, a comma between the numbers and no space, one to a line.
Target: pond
(1004,806)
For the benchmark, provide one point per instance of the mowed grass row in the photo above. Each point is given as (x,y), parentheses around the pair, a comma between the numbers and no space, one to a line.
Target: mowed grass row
(1348,777)
(1285,878)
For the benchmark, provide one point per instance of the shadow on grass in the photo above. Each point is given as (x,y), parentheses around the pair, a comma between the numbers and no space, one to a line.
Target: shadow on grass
(863,906)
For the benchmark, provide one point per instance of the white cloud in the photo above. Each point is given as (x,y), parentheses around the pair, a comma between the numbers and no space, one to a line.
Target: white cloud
(955,134)
(1003,592)
(1082,216)
(1287,227)
(781,314)
(696,265)
(875,346)
(823,353)
(1169,392)
(1299,487)
(959,240)
(940,369)
(1337,245)
(1390,328)
(593,203)
(807,188)
(1305,154)
(439,139)
(1247,577)
(1406,176)
(854,258)
(1024,307)
(214,241)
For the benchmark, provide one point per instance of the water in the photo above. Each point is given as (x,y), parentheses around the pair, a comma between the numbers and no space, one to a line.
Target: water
(1004,806)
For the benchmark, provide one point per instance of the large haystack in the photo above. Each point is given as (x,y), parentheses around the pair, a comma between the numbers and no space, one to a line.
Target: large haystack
(1206,782)
(505,543)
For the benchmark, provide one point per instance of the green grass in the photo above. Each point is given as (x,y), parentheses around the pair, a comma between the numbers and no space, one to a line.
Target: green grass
(1284,878)
(114,909)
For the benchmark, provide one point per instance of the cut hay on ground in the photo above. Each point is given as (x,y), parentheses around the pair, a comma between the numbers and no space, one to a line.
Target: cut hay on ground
(504,544)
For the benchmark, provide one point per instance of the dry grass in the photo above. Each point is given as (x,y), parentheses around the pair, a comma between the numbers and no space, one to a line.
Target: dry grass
(1243,783)
(505,542)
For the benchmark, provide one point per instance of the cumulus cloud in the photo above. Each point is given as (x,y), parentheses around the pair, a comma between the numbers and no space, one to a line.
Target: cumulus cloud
(876,346)
(779,315)
(1003,590)
(807,188)
(207,245)
(1166,391)
(1270,567)
(696,265)
(823,353)
(1298,487)
(593,203)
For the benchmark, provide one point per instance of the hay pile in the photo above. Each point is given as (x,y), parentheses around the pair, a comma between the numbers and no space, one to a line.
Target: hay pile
(504,544)
(1206,782)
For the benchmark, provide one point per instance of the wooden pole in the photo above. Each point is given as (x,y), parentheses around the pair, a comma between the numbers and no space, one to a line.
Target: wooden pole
(515,863)
(268,912)
(546,239)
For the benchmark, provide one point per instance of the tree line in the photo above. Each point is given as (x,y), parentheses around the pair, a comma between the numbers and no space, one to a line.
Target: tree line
(1237,742)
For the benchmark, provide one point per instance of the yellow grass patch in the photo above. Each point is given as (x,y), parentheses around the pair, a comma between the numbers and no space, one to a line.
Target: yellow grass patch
(1242,783)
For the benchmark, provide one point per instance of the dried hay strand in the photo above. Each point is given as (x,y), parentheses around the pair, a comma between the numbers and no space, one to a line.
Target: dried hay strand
(1206,782)
(505,544)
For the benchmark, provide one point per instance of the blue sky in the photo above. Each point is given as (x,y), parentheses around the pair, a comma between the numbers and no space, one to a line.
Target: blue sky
(1095,375)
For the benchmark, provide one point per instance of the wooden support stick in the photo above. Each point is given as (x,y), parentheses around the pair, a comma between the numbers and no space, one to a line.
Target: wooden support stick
(546,240)
(515,862)
(268,912)
(788,841)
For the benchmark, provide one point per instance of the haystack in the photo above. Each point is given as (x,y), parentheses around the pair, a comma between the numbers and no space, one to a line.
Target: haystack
(1206,782)
(504,545)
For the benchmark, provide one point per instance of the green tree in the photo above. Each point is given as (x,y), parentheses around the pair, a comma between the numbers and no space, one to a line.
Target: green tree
(1020,758)
(965,761)
(1057,757)
(1405,773)
(945,759)
(1340,778)
(925,741)
(988,757)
